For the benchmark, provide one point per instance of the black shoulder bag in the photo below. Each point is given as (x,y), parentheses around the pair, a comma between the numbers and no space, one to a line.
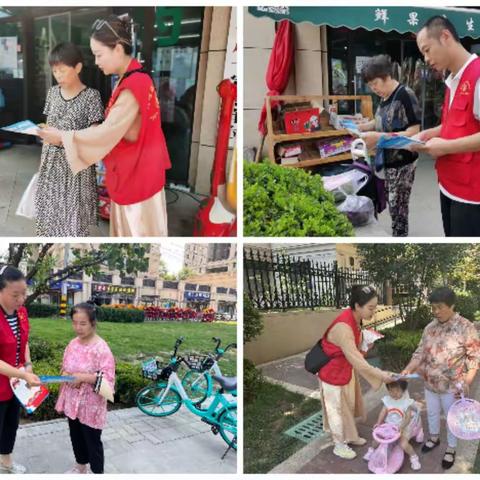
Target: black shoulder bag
(316,358)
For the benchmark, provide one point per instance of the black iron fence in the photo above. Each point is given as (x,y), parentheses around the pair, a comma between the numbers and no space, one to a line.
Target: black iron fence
(279,282)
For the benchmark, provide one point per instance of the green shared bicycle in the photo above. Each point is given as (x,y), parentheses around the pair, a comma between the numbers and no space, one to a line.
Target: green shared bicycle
(198,383)
(167,394)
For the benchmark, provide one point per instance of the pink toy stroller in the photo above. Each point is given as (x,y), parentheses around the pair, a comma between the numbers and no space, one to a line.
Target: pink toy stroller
(464,419)
(388,457)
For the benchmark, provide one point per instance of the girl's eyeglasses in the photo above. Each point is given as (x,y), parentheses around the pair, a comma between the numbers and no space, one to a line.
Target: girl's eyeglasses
(99,24)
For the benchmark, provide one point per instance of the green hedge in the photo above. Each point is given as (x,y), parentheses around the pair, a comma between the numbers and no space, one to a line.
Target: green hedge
(395,350)
(252,379)
(44,350)
(40,310)
(467,305)
(289,202)
(120,315)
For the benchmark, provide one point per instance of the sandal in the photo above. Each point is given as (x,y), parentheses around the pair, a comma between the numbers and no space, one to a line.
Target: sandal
(430,445)
(446,464)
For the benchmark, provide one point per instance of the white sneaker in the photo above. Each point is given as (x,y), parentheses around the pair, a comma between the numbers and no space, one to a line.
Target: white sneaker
(76,469)
(369,454)
(359,442)
(342,450)
(415,462)
(14,468)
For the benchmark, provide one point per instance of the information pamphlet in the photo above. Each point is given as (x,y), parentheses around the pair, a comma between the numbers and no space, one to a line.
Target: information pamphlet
(25,127)
(397,142)
(29,397)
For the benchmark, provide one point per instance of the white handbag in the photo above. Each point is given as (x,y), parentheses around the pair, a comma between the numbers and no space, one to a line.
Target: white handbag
(26,207)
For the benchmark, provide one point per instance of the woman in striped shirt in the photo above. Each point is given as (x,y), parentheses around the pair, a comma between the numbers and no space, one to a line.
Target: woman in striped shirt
(14,352)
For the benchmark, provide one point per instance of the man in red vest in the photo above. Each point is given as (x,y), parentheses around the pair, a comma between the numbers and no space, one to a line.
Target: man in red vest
(455,143)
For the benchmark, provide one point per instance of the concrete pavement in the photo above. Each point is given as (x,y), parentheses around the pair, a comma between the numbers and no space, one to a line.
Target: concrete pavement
(317,456)
(133,443)
(18,165)
(424,218)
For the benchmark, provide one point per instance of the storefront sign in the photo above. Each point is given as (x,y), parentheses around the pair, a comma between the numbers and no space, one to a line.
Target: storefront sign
(77,286)
(387,19)
(113,289)
(197,296)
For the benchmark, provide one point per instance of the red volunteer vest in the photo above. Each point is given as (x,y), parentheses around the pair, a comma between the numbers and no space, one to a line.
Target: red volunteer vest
(459,173)
(8,348)
(338,371)
(135,171)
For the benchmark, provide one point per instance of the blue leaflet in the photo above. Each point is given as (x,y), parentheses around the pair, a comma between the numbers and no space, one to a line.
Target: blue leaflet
(397,142)
(56,378)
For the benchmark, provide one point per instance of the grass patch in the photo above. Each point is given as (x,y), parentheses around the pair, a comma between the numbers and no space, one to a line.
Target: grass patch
(273,411)
(131,341)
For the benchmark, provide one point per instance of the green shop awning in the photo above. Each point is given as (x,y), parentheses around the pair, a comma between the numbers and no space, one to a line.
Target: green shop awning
(400,19)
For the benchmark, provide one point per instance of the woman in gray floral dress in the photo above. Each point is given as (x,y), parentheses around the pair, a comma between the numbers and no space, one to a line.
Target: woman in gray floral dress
(67,204)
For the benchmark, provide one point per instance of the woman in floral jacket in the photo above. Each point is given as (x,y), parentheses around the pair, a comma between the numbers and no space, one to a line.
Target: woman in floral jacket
(448,358)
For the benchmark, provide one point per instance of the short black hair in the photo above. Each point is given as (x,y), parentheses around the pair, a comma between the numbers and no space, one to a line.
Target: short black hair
(66,53)
(361,295)
(437,23)
(403,384)
(89,308)
(379,66)
(9,274)
(443,295)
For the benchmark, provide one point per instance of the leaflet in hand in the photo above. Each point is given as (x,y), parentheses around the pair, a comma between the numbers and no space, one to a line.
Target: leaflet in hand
(370,336)
(399,376)
(397,142)
(30,398)
(351,126)
(56,378)
(25,127)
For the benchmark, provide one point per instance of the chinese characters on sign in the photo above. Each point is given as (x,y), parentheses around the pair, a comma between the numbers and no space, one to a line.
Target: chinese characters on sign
(381,15)
(113,289)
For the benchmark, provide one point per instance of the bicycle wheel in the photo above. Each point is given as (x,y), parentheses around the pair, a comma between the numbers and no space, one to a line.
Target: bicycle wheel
(227,425)
(196,385)
(148,400)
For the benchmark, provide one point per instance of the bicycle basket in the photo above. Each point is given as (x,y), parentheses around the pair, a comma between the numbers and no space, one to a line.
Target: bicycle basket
(165,373)
(200,363)
(150,369)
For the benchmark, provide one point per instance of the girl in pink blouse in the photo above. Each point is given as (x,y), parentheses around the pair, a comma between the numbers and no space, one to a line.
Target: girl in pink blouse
(89,359)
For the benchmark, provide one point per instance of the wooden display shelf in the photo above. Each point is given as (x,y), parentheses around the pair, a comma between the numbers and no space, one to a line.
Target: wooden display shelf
(316,160)
(274,137)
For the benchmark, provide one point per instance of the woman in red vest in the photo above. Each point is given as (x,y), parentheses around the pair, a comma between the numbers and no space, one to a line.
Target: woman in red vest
(130,141)
(341,395)
(14,352)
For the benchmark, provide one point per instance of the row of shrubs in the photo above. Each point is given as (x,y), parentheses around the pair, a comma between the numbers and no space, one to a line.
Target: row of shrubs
(47,360)
(289,202)
(130,315)
(104,314)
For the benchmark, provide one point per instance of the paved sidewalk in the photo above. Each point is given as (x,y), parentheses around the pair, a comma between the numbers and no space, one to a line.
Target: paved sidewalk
(317,456)
(133,443)
(424,218)
(18,165)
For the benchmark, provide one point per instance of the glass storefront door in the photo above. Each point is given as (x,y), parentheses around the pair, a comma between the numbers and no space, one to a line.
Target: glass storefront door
(48,32)
(11,71)
(175,56)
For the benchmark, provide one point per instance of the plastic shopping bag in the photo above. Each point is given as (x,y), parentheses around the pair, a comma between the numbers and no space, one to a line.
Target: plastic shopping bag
(346,183)
(359,210)
(26,207)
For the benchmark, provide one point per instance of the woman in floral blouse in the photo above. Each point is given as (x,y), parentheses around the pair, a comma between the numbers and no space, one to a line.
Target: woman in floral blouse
(89,359)
(448,355)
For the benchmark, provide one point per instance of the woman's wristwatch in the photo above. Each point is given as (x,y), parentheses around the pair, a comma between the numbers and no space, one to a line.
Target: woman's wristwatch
(28,364)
